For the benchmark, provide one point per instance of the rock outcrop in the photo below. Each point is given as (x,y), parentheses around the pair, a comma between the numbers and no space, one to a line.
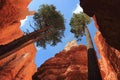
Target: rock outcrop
(70,44)
(66,65)
(110,59)
(107,15)
(20,65)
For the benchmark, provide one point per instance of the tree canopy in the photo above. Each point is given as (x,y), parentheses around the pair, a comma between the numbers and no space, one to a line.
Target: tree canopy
(47,15)
(77,23)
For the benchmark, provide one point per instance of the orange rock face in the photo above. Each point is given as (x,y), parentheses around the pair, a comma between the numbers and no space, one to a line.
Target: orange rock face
(107,70)
(110,58)
(66,65)
(19,66)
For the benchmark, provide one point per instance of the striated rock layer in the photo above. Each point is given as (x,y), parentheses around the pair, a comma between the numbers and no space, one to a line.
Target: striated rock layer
(19,66)
(110,59)
(66,65)
(107,14)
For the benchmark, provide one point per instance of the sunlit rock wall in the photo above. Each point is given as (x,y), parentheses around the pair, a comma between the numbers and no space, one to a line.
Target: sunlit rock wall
(66,65)
(110,59)
(70,44)
(20,65)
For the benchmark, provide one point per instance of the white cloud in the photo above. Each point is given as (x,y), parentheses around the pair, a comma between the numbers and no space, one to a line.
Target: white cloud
(23,21)
(78,9)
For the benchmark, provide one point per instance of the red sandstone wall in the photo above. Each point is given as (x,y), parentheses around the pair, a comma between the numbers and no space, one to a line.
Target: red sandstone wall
(110,57)
(19,66)
(66,65)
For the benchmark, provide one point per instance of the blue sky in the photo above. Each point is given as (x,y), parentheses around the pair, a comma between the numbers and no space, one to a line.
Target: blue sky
(66,7)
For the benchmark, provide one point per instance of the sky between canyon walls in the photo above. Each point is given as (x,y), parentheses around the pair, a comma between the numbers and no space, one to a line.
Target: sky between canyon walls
(67,8)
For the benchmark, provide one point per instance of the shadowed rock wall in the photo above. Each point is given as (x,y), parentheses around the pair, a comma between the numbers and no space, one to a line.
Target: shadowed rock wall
(107,14)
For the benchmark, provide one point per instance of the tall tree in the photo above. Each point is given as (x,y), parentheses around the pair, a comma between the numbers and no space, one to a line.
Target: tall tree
(48,16)
(49,28)
(78,24)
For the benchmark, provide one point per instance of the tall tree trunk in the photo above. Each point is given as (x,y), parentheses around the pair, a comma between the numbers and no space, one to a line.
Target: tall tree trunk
(93,68)
(10,48)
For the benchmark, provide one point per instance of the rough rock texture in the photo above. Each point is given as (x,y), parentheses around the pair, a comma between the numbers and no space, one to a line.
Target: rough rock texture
(107,14)
(110,59)
(66,65)
(11,12)
(19,66)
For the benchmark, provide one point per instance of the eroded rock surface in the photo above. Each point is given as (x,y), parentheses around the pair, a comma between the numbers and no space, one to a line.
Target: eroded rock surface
(110,59)
(107,14)
(66,65)
(20,65)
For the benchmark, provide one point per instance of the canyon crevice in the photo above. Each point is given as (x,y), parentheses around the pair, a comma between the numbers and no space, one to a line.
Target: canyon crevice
(107,14)
(71,63)
(106,17)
